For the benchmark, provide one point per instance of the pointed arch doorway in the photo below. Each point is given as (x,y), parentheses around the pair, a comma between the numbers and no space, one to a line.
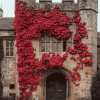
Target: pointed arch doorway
(56,87)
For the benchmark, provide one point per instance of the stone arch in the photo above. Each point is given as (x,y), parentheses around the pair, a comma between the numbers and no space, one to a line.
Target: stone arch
(62,71)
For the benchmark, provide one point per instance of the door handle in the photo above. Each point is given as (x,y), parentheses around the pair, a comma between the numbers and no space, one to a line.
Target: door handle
(60,96)
(49,95)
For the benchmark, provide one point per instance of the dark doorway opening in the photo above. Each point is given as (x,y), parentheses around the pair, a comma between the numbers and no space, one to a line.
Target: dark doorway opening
(56,87)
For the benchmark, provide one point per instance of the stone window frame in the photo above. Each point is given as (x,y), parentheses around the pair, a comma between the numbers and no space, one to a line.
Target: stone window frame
(51,43)
(4,46)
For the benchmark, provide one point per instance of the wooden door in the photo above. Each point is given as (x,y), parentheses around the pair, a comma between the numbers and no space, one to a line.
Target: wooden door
(56,87)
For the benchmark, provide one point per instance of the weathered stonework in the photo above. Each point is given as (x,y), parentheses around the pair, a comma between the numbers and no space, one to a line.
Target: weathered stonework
(88,11)
(98,49)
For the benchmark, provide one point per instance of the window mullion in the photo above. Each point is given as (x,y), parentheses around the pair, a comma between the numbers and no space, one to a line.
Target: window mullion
(67,46)
(71,44)
(56,45)
(40,46)
(61,45)
(50,44)
(72,40)
(45,42)
(9,47)
(4,46)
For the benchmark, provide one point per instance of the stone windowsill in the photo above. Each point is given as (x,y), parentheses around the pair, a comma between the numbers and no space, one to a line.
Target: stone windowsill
(9,56)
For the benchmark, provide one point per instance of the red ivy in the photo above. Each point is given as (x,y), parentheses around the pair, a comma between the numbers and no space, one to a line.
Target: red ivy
(66,78)
(73,58)
(30,25)
(86,72)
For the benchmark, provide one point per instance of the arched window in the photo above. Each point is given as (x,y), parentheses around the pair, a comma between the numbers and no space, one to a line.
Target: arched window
(9,48)
(51,44)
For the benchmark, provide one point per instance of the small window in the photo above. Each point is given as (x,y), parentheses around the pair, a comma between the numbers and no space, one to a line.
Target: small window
(9,48)
(45,43)
(12,86)
(98,46)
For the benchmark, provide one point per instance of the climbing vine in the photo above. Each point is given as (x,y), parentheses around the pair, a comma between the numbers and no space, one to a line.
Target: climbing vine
(31,25)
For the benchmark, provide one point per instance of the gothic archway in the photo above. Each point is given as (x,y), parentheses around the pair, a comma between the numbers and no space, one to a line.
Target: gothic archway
(63,72)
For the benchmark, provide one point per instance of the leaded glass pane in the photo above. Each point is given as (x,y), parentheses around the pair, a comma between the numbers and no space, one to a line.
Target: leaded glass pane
(54,47)
(64,46)
(11,51)
(7,51)
(59,47)
(43,47)
(11,44)
(47,38)
(42,37)
(7,44)
(48,47)
(53,38)
(70,39)
(69,44)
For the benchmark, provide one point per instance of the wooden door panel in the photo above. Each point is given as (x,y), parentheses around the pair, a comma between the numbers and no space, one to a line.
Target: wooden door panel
(50,89)
(60,89)
(51,95)
(60,95)
(56,88)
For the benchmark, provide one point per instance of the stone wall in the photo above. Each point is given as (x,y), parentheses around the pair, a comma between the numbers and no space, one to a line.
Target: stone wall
(88,11)
(1,57)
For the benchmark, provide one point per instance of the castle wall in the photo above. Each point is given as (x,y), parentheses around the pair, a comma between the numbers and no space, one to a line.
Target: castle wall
(88,12)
